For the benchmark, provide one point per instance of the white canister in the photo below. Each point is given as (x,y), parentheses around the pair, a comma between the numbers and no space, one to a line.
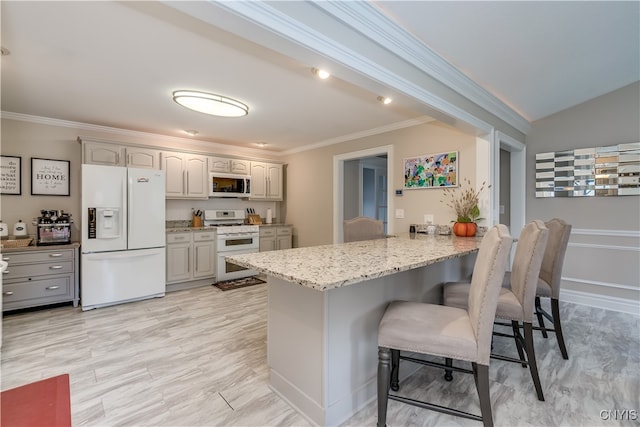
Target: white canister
(269,216)
(4,229)
(20,228)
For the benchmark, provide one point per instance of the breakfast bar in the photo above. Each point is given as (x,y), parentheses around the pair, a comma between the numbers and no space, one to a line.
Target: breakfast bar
(325,304)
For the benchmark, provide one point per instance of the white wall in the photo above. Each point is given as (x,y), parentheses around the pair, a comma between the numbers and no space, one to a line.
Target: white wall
(603,258)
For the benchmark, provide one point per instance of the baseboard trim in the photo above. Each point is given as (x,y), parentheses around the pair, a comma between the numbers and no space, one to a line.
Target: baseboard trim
(601,301)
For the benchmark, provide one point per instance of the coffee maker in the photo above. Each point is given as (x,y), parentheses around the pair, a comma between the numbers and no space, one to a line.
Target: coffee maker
(54,228)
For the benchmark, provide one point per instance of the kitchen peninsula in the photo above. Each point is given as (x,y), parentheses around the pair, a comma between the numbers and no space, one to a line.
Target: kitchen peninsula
(325,304)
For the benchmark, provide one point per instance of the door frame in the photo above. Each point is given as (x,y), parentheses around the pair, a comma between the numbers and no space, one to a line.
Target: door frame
(338,186)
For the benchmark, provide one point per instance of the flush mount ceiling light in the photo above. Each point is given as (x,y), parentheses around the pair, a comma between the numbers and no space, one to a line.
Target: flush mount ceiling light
(384,100)
(322,74)
(191,132)
(209,103)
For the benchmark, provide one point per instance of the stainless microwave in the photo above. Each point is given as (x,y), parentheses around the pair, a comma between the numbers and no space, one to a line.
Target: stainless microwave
(229,185)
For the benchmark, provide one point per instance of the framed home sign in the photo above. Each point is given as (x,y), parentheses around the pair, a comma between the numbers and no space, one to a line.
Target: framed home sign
(10,175)
(49,177)
(431,171)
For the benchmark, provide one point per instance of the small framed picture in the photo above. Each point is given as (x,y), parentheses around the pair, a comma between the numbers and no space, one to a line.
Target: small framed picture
(10,175)
(49,177)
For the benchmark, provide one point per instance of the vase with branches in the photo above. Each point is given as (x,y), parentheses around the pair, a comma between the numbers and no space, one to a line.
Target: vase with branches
(464,201)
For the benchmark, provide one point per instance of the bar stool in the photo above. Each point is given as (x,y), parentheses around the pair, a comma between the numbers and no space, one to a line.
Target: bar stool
(441,331)
(515,303)
(362,228)
(551,278)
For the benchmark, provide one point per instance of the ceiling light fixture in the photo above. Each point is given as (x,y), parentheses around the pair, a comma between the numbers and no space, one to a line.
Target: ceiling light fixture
(384,100)
(191,132)
(209,103)
(322,74)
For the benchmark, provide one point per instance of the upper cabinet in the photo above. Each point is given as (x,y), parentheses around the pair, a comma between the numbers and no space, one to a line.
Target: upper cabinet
(187,175)
(102,153)
(266,181)
(227,165)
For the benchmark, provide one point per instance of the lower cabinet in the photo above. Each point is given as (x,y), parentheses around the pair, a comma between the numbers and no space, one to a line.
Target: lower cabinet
(190,257)
(275,237)
(39,276)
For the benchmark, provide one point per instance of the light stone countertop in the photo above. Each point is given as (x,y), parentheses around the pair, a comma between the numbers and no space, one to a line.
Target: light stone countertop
(332,266)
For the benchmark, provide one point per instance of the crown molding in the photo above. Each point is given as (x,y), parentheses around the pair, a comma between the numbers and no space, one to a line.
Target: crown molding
(370,22)
(363,134)
(174,140)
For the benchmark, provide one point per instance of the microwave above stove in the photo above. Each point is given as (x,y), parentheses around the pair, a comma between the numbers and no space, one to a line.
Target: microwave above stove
(229,185)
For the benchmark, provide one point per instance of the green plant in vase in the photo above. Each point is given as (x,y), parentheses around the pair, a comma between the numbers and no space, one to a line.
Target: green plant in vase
(464,202)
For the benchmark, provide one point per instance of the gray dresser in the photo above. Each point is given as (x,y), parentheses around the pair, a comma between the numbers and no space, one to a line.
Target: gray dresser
(40,275)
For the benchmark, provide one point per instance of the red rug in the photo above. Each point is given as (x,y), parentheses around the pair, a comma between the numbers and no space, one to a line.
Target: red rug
(43,403)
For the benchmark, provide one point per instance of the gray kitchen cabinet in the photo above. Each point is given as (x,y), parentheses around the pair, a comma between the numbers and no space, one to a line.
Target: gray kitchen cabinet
(39,275)
(275,237)
(178,257)
(229,165)
(204,247)
(107,154)
(186,175)
(190,256)
(266,181)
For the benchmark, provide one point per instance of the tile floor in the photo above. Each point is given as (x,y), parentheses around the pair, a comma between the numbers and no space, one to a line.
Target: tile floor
(198,357)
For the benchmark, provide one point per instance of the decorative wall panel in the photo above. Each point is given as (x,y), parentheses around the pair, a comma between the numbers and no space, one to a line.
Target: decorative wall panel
(585,172)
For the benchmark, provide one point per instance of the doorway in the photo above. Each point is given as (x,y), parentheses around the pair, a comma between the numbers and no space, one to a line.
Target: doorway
(360,187)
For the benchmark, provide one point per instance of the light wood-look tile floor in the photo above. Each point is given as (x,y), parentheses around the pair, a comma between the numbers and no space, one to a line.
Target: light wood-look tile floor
(198,357)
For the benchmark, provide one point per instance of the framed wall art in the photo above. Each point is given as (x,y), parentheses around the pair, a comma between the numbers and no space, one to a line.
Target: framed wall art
(49,177)
(431,171)
(10,175)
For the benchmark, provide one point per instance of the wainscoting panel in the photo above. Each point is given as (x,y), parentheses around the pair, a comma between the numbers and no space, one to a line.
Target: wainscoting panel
(602,269)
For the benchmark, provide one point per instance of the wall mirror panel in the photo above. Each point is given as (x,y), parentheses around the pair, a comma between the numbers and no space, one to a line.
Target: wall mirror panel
(586,172)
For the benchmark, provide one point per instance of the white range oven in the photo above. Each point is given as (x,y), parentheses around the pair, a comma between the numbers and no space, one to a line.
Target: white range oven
(233,237)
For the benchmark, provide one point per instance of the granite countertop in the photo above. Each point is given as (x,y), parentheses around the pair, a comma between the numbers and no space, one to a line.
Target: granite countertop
(332,266)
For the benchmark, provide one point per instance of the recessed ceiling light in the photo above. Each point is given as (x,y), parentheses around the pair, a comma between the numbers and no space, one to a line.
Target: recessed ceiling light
(209,103)
(261,144)
(385,100)
(191,132)
(322,74)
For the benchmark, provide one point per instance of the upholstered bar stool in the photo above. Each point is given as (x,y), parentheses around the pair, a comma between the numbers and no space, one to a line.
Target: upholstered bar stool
(441,331)
(515,303)
(551,278)
(362,228)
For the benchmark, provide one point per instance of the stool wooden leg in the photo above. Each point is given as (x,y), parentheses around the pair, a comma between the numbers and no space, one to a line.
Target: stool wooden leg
(540,318)
(481,375)
(531,357)
(555,312)
(384,375)
(395,369)
(516,335)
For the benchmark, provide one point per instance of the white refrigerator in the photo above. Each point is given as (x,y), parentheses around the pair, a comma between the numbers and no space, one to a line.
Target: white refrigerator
(123,235)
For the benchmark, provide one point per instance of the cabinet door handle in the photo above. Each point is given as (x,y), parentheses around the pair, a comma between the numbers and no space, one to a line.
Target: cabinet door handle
(56,255)
(5,272)
(55,267)
(5,258)
(52,288)
(7,293)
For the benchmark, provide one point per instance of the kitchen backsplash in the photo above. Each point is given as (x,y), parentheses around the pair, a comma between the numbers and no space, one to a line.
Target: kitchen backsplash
(180,210)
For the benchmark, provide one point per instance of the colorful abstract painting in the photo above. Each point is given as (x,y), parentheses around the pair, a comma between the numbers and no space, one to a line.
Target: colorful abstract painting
(431,171)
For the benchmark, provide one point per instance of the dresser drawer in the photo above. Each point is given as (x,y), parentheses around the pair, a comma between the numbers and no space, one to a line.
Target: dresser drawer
(32,270)
(28,257)
(37,292)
